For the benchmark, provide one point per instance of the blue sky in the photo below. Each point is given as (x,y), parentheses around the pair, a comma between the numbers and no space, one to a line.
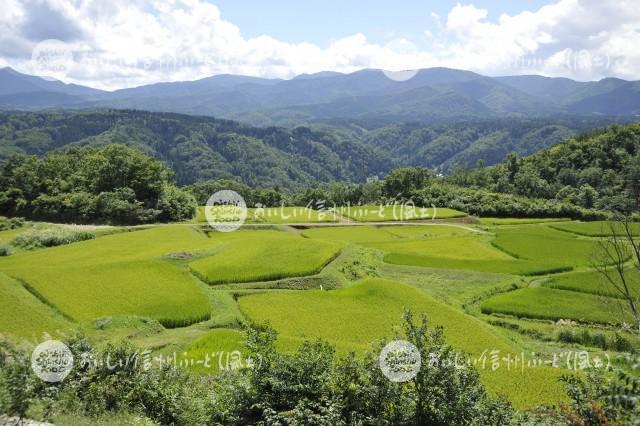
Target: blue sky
(320,21)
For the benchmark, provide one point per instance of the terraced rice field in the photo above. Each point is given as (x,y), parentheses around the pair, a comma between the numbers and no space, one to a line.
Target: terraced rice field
(592,283)
(399,212)
(357,316)
(279,215)
(522,250)
(23,315)
(595,229)
(372,234)
(118,274)
(546,246)
(459,275)
(552,304)
(272,256)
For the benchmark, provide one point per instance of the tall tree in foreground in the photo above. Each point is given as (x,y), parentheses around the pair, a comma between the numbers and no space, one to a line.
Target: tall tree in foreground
(618,261)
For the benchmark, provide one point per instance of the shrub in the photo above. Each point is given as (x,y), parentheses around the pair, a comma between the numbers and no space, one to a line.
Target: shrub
(50,237)
(483,203)
(622,344)
(310,386)
(176,205)
(10,223)
(5,250)
(598,340)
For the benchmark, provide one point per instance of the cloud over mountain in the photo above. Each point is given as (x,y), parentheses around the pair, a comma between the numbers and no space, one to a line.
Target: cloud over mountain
(124,43)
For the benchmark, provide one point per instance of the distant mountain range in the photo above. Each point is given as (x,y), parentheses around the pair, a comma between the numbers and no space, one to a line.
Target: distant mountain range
(432,95)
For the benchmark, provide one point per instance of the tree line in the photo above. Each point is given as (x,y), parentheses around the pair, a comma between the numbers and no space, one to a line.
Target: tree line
(113,184)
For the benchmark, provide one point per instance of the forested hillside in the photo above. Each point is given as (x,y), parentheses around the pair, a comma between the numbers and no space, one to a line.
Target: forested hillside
(600,169)
(465,143)
(201,148)
(204,148)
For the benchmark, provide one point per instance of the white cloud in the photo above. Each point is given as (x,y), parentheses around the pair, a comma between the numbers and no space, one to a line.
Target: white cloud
(123,43)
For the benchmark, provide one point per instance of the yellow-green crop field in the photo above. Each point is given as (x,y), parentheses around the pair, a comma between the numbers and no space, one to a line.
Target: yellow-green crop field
(396,213)
(597,228)
(369,310)
(274,255)
(188,289)
(279,215)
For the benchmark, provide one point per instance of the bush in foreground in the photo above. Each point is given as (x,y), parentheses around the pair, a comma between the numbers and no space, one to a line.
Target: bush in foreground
(311,386)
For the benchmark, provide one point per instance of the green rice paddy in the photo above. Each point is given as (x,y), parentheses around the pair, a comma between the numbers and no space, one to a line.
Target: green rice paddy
(596,229)
(363,313)
(279,215)
(397,212)
(593,283)
(24,315)
(552,304)
(201,285)
(271,256)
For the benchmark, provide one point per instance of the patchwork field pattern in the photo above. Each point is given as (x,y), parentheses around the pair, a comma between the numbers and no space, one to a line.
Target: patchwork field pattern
(162,273)
(119,274)
(356,316)
(522,250)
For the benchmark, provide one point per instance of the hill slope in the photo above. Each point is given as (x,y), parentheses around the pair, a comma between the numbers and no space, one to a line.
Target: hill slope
(202,148)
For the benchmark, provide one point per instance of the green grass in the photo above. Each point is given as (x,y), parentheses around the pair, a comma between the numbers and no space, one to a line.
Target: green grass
(385,213)
(455,287)
(279,215)
(23,315)
(10,234)
(270,255)
(355,317)
(497,221)
(120,274)
(595,229)
(552,304)
(592,283)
